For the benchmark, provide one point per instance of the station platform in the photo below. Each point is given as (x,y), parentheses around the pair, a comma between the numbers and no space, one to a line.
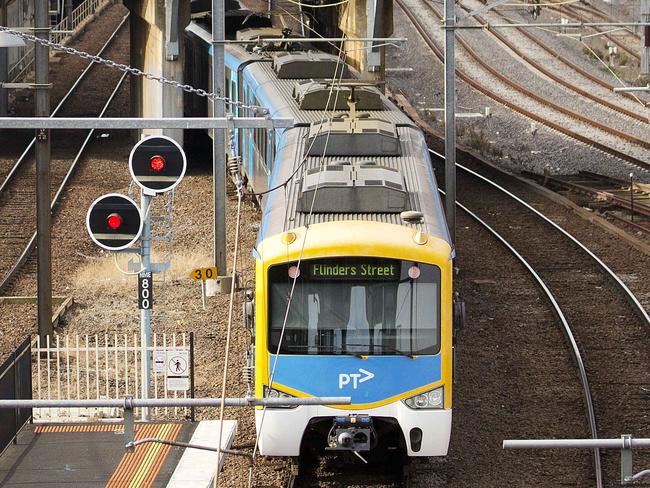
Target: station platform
(93,455)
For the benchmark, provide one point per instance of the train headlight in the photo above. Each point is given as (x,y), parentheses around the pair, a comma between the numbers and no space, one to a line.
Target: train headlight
(432,399)
(273,393)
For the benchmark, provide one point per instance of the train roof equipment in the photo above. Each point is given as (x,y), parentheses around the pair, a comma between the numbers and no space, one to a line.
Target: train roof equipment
(315,94)
(309,64)
(359,188)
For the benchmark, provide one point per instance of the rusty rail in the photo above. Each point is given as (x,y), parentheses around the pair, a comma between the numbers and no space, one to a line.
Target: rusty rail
(491,94)
(567,62)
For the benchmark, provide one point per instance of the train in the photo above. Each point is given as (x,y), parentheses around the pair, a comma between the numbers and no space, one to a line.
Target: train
(354,263)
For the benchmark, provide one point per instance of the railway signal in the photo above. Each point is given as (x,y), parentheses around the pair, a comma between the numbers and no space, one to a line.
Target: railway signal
(114,222)
(157,164)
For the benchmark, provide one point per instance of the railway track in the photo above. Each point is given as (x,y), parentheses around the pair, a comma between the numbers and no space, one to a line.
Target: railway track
(568,63)
(610,327)
(17,192)
(566,330)
(417,22)
(570,11)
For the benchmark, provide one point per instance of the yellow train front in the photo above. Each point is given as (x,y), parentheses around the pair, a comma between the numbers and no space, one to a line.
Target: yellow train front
(369,317)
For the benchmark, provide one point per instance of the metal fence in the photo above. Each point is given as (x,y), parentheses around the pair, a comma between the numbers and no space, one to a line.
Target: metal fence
(87,8)
(15,384)
(100,367)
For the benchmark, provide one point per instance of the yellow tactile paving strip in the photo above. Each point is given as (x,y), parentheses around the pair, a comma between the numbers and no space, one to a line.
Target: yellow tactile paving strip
(51,429)
(140,468)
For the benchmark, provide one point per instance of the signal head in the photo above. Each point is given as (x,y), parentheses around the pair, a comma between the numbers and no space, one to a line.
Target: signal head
(157,164)
(114,222)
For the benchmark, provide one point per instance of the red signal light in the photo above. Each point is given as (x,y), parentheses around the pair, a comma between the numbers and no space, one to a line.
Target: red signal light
(157,163)
(114,221)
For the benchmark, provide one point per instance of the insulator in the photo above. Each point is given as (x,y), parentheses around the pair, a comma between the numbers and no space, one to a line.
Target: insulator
(248,375)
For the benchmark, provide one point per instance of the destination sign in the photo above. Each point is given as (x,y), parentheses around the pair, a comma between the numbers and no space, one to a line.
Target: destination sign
(377,270)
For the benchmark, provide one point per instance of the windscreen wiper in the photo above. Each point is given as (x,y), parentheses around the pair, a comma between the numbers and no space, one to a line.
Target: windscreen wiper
(387,348)
(327,349)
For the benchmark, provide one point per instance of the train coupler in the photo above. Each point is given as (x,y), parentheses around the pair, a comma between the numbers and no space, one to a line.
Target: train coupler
(351,433)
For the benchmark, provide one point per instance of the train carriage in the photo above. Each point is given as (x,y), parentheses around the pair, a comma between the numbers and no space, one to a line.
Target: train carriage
(353,260)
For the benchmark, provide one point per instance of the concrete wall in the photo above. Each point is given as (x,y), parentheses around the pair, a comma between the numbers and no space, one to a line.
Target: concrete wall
(148,52)
(353,22)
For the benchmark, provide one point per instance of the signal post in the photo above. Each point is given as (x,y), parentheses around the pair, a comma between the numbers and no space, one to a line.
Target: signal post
(157,165)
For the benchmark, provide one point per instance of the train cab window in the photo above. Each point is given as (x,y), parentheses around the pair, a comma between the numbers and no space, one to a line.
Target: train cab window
(369,306)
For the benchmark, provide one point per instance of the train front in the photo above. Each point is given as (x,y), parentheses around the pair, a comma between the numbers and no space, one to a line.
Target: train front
(369,317)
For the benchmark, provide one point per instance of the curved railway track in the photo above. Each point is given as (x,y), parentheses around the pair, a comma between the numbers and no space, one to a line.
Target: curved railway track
(566,330)
(529,93)
(610,326)
(17,194)
(567,62)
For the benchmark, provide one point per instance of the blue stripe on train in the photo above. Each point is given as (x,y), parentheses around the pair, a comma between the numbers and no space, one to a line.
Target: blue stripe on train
(365,380)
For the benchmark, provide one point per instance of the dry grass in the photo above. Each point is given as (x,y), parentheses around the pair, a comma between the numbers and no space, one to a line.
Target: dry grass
(103,276)
(476,139)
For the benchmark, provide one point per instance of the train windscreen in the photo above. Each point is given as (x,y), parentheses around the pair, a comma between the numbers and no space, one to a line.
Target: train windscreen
(358,306)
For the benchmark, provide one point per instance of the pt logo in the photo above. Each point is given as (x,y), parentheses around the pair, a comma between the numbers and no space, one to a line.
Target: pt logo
(355,378)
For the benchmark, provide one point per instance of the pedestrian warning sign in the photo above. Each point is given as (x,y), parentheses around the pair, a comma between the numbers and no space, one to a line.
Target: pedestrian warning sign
(178,370)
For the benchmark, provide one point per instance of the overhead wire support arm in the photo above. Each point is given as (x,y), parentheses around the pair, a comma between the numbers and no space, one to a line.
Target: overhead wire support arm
(144,123)
(489,26)
(312,40)
(626,443)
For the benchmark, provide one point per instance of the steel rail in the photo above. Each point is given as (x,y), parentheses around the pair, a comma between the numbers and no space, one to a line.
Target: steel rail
(639,207)
(570,63)
(502,100)
(31,245)
(566,330)
(540,67)
(87,70)
(545,101)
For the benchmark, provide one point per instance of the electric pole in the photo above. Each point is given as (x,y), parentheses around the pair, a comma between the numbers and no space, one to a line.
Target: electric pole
(43,215)
(450,120)
(4,94)
(645,17)
(218,138)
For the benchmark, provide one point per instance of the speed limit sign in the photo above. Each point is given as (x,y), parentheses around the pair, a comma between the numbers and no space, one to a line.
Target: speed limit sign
(145,290)
(202,274)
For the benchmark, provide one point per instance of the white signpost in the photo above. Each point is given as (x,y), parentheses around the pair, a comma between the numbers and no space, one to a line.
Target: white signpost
(178,370)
